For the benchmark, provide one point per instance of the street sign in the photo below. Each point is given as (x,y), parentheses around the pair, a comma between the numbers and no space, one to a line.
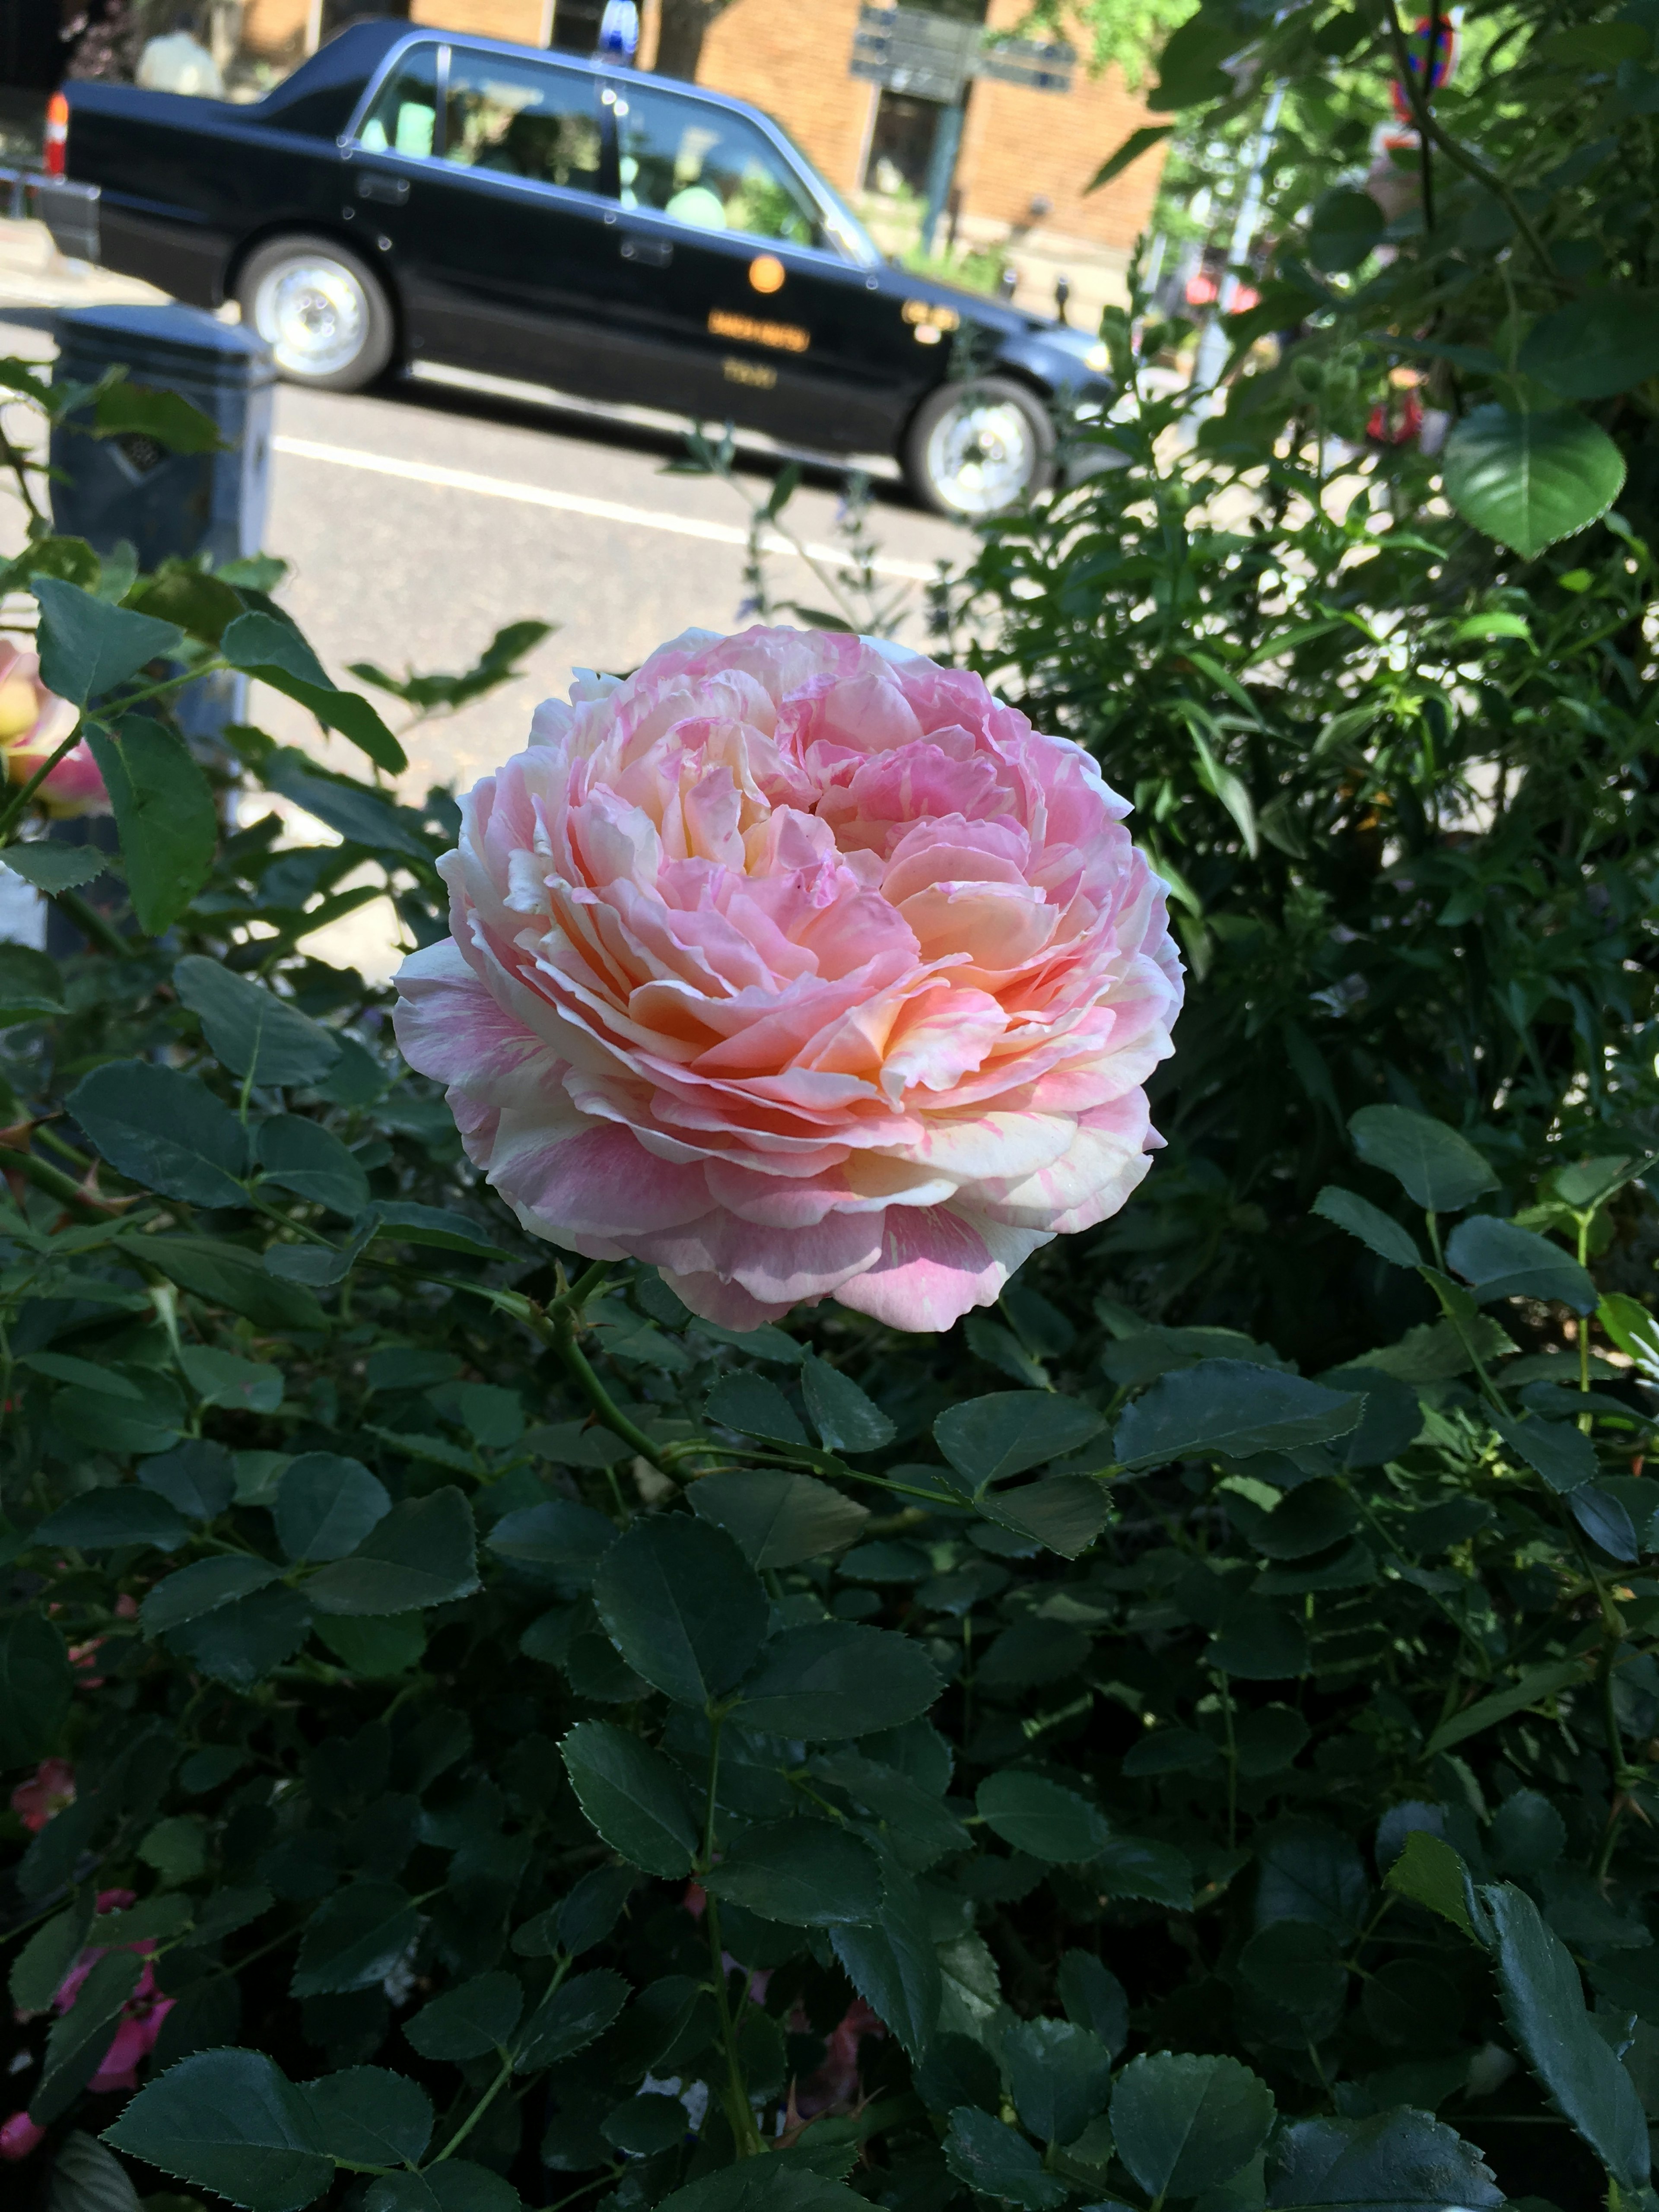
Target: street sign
(929,57)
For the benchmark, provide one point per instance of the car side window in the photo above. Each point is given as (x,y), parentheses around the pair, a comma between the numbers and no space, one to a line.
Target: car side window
(523,118)
(708,168)
(405,109)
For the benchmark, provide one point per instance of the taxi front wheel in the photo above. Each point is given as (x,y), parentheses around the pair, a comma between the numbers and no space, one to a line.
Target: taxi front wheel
(979,447)
(324,314)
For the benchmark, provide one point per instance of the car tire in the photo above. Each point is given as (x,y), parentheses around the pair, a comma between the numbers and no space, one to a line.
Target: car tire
(323,313)
(979,447)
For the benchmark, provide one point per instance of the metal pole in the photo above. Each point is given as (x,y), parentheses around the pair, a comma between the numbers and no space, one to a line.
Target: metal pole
(941,170)
(1213,346)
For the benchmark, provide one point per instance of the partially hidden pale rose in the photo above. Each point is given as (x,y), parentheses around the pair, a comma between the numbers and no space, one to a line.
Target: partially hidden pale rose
(33,723)
(798,967)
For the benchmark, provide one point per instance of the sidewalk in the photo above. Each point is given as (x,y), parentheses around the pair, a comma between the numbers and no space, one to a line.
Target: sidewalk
(33,273)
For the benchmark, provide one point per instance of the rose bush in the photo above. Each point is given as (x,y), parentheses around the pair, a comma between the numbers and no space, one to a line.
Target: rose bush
(798,968)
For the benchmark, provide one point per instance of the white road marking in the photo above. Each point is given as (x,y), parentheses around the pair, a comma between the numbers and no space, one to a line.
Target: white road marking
(570,502)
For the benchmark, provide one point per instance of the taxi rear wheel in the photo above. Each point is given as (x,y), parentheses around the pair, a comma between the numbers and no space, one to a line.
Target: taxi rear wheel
(324,314)
(979,447)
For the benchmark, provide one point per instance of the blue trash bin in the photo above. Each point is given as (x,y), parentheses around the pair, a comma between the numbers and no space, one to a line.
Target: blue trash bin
(130,488)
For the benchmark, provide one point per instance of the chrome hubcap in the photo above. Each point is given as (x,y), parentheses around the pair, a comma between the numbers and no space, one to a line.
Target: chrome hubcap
(313,315)
(982,455)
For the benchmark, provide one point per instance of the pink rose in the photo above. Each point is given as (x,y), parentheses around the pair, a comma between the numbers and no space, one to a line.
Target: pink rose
(49,1788)
(798,967)
(19,2136)
(33,723)
(136,2029)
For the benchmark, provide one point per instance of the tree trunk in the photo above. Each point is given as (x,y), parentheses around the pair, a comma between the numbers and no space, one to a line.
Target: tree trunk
(682,25)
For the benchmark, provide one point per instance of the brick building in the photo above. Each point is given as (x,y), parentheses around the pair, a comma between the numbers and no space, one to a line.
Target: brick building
(1025,155)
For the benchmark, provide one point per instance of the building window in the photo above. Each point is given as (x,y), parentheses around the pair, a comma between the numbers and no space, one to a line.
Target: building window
(900,145)
(576,26)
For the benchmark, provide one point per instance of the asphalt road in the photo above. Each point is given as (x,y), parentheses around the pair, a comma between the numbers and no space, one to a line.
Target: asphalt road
(418,522)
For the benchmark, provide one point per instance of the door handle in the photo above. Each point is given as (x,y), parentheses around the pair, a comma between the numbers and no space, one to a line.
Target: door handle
(649,253)
(394,190)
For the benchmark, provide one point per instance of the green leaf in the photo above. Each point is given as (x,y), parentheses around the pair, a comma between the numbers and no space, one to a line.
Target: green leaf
(375,1650)
(431,1225)
(165,1130)
(755,1407)
(1562,1454)
(1234,1407)
(87,2178)
(1345,227)
(1430,1873)
(1533,1686)
(124,408)
(1604,344)
(559,1533)
(1434,1164)
(355,813)
(354,1938)
(221,1378)
(779,1519)
(1184,2123)
(250,1030)
(1042,1818)
(1137,144)
(1064,1513)
(201,1588)
(803,1873)
(1139,1866)
(273,650)
(465,2022)
(369,2116)
(653,2122)
(31,985)
(764,2185)
(1543,2002)
(1298,1966)
(164,813)
(197,1479)
(570,2017)
(635,1797)
(1398,2161)
(39,1970)
(241,1643)
(1529,480)
(137,1411)
(893,1963)
(422,1553)
(231,2122)
(683,1606)
(81,2036)
(326,1505)
(1504,1261)
(87,647)
(98,1520)
(34,1689)
(1059,2075)
(996,2162)
(832,1680)
(309,1160)
(455,2185)
(1311,1873)
(1378,1231)
(53,867)
(988,1439)
(1095,1998)
(229,1275)
(846,1420)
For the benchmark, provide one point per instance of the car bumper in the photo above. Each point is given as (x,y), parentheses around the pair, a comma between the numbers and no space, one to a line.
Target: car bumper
(70,211)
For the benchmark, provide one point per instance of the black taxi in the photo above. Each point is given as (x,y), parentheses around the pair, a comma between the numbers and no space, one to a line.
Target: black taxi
(418,195)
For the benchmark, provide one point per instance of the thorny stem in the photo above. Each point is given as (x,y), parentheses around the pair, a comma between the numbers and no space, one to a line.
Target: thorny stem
(1232,1757)
(20,799)
(744,2134)
(1459,155)
(478,2111)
